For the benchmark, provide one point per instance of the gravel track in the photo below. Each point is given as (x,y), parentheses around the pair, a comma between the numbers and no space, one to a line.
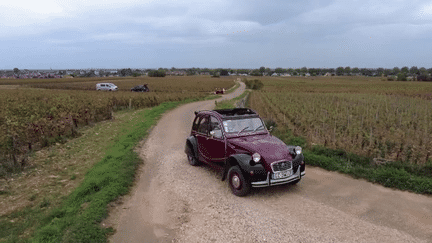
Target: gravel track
(175,202)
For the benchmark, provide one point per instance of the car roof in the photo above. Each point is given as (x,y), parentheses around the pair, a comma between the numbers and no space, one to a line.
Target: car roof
(230,113)
(106,83)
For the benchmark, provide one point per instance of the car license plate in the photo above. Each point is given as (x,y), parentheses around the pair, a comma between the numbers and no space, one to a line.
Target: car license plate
(282,174)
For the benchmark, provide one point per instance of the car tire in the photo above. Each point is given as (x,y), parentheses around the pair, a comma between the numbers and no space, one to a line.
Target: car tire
(192,160)
(239,184)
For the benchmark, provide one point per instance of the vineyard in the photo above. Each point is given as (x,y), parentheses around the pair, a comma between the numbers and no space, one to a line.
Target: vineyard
(39,113)
(388,121)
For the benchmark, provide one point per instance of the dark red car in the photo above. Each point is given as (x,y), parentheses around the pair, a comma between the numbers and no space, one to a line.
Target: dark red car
(238,142)
(140,88)
(220,91)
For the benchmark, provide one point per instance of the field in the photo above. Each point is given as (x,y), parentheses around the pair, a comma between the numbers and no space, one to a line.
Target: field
(386,121)
(38,113)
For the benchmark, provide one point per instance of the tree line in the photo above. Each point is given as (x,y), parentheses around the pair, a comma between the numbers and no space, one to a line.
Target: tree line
(396,73)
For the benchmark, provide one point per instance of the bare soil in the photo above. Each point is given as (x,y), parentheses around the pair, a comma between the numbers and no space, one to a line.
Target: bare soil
(175,202)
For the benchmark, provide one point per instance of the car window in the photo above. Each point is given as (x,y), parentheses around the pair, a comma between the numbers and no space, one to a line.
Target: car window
(247,125)
(203,125)
(195,123)
(215,127)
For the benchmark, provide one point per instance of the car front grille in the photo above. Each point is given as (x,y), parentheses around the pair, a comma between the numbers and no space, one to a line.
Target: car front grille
(281,166)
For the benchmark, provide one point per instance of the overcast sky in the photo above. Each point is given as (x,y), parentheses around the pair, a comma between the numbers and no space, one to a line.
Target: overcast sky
(61,34)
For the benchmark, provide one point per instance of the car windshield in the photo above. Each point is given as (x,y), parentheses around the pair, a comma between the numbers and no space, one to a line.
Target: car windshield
(243,125)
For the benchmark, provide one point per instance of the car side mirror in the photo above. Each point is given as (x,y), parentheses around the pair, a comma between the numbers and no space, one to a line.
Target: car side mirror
(212,133)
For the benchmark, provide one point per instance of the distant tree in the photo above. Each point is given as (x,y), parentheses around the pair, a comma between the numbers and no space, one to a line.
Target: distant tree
(414,70)
(387,72)
(340,71)
(190,72)
(355,70)
(380,71)
(90,73)
(315,71)
(401,76)
(347,70)
(16,71)
(126,72)
(404,69)
(304,69)
(256,72)
(422,77)
(223,72)
(279,70)
(423,71)
(396,70)
(242,71)
(262,70)
(365,72)
(157,73)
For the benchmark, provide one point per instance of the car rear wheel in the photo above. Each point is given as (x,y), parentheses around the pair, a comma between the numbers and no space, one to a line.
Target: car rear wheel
(239,184)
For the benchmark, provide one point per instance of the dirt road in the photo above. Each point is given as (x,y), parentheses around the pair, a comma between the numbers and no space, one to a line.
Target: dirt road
(175,202)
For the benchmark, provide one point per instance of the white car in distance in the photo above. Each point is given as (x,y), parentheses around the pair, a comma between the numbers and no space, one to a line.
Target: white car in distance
(106,86)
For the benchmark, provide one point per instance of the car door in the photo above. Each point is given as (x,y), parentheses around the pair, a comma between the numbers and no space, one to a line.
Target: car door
(211,148)
(216,141)
(202,132)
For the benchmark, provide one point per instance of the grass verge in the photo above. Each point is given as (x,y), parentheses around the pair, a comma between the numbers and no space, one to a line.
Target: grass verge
(75,216)
(78,219)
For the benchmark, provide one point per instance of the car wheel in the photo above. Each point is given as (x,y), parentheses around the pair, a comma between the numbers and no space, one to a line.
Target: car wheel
(192,160)
(239,184)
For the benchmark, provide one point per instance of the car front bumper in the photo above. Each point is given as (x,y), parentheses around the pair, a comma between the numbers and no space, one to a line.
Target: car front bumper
(273,182)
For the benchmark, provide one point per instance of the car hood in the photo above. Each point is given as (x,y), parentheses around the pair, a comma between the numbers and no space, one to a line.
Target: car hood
(269,147)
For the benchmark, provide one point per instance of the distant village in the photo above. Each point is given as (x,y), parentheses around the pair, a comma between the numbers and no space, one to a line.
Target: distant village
(404,74)
(71,73)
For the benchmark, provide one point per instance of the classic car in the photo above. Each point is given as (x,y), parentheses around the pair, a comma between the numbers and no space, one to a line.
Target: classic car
(219,91)
(238,142)
(140,88)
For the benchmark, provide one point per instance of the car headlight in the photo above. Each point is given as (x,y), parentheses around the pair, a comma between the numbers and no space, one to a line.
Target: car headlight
(256,157)
(298,150)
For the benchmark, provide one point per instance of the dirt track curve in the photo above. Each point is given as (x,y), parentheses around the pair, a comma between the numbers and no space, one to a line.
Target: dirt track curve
(175,202)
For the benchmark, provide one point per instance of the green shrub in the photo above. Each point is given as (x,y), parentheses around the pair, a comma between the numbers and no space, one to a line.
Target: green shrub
(401,77)
(157,73)
(253,84)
